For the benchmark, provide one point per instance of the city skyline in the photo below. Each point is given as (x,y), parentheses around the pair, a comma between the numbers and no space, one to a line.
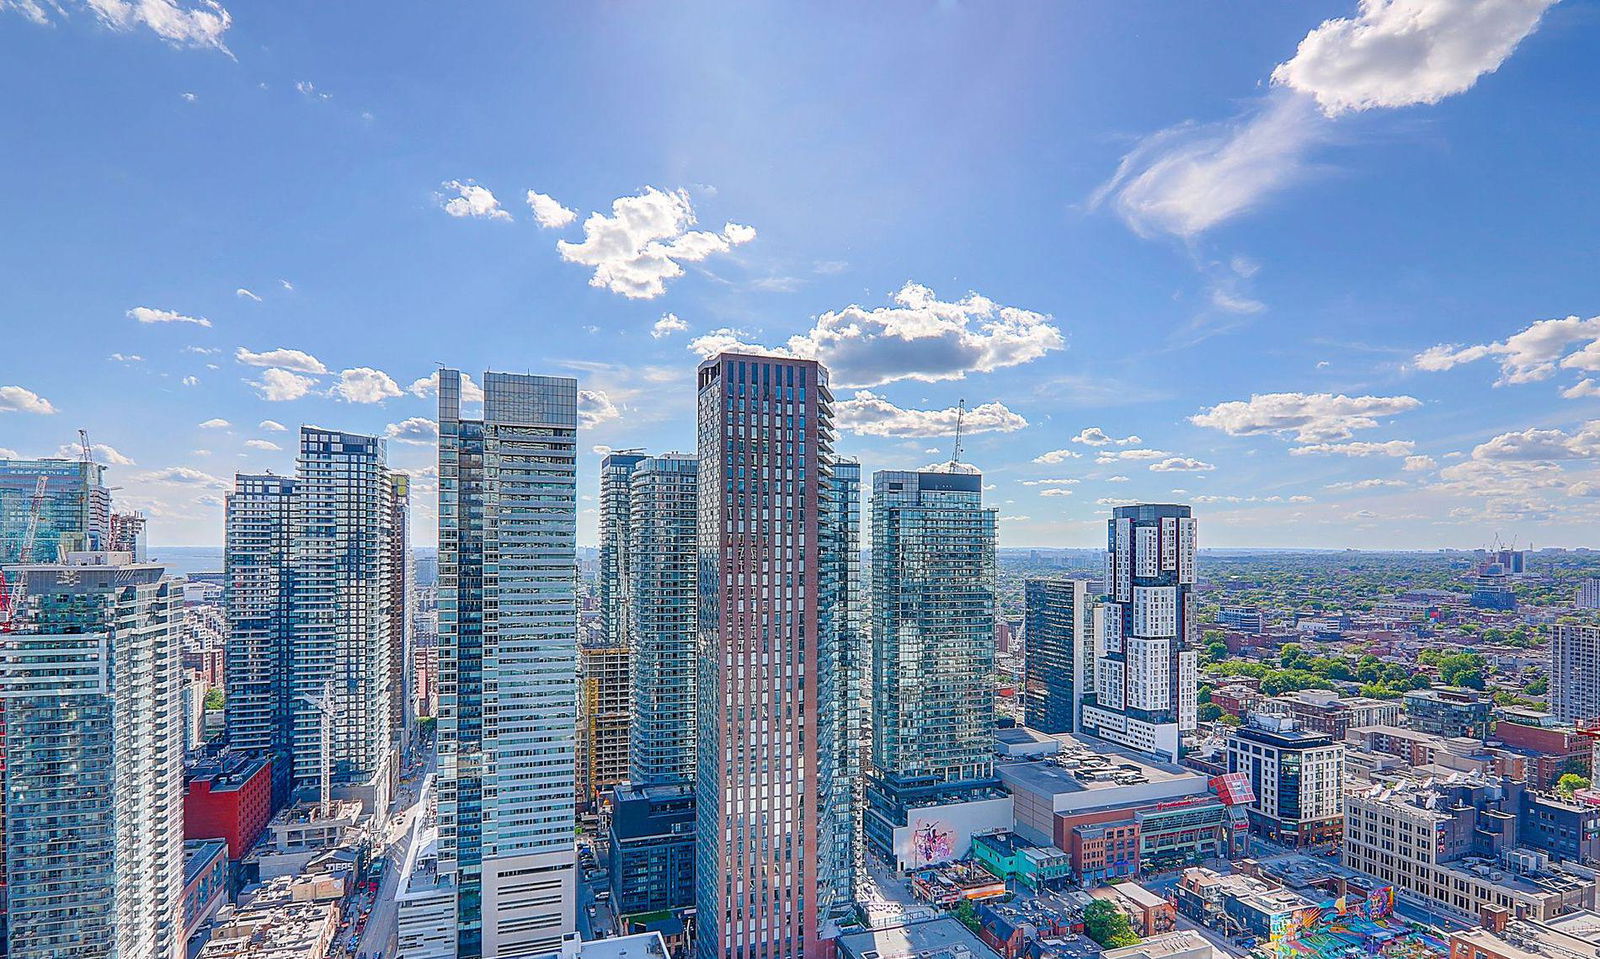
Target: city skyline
(1324,248)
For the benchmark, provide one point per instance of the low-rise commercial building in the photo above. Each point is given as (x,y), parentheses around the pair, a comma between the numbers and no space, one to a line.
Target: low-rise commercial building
(228,796)
(1325,711)
(1006,855)
(205,882)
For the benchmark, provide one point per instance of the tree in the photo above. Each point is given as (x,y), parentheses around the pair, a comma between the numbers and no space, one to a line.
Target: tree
(1108,925)
(1538,686)
(1210,712)
(967,914)
(1570,783)
(214,698)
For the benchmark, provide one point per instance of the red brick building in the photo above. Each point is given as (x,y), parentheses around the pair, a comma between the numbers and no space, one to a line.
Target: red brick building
(1553,747)
(228,797)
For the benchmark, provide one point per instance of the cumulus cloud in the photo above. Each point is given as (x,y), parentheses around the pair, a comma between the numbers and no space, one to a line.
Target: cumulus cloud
(595,407)
(1188,178)
(873,415)
(1053,481)
(472,201)
(145,314)
(1357,448)
(1103,457)
(1115,501)
(429,386)
(548,212)
(182,476)
(1529,355)
(363,384)
(100,451)
(1055,491)
(1181,464)
(126,357)
(16,399)
(644,241)
(266,445)
(278,385)
(1582,388)
(271,426)
(416,430)
(668,325)
(1056,456)
(215,423)
(1399,53)
(1095,436)
(1367,484)
(1418,464)
(297,360)
(919,338)
(1543,445)
(202,24)
(190,381)
(1309,417)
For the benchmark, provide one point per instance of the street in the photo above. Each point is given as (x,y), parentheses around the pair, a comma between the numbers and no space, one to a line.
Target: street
(379,938)
(595,917)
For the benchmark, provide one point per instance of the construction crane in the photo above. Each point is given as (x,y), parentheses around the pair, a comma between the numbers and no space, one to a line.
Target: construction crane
(961,416)
(12,594)
(324,706)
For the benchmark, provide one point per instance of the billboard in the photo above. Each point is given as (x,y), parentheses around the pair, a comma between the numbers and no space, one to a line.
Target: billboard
(937,834)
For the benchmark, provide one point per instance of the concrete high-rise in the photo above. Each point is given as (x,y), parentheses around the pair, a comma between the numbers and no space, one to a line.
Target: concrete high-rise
(665,558)
(933,645)
(74,507)
(93,799)
(258,594)
(616,520)
(1575,673)
(508,662)
(1145,680)
(397,604)
(339,644)
(765,882)
(1058,658)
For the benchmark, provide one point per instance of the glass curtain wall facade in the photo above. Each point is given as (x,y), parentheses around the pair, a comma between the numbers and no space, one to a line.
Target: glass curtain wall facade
(508,662)
(74,513)
(93,798)
(1058,652)
(933,637)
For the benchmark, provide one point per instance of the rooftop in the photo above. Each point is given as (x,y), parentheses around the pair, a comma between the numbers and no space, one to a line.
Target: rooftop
(644,945)
(936,939)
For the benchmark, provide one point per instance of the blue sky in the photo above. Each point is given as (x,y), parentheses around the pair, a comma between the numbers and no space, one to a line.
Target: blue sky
(1307,266)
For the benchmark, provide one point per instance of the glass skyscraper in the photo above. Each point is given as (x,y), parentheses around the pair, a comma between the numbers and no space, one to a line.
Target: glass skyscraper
(75,508)
(933,638)
(765,878)
(1058,663)
(665,560)
(93,796)
(508,662)
(1145,671)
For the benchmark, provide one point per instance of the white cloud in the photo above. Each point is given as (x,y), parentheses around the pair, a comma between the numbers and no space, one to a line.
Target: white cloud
(1095,436)
(271,426)
(1188,178)
(1104,457)
(870,414)
(595,407)
(1055,491)
(1056,456)
(1529,355)
(182,476)
(1301,499)
(16,399)
(100,451)
(1367,484)
(1064,481)
(1398,53)
(1181,464)
(145,314)
(1357,448)
(1310,417)
(471,200)
(189,97)
(297,360)
(1582,388)
(429,386)
(309,90)
(1114,501)
(363,384)
(202,350)
(548,212)
(641,245)
(919,338)
(1534,444)
(200,25)
(416,430)
(245,294)
(190,381)
(126,357)
(1116,479)
(215,423)
(1232,302)
(267,445)
(279,385)
(1418,464)
(668,325)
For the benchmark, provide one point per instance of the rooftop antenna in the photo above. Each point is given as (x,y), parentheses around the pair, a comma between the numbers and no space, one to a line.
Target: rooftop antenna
(961,415)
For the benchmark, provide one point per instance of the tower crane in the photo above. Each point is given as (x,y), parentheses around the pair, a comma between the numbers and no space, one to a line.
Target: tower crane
(323,704)
(11,594)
